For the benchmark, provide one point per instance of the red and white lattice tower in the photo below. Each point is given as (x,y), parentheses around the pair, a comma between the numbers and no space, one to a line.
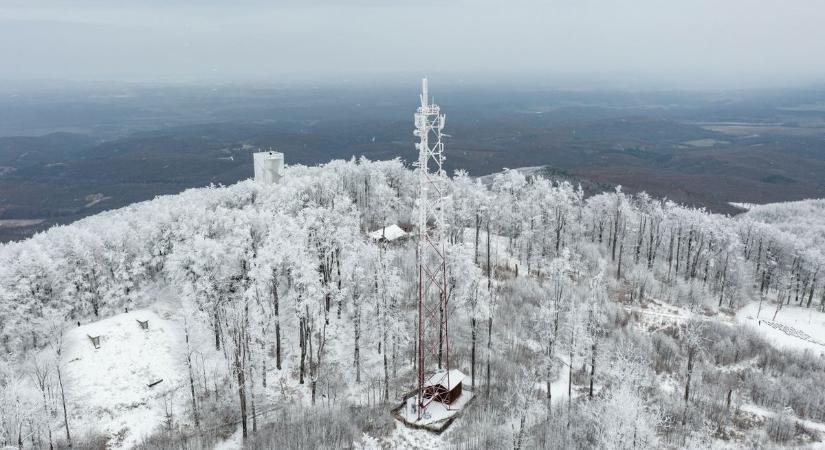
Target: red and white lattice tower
(433,349)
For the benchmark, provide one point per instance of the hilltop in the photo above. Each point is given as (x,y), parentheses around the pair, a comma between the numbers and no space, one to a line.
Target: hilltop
(277,320)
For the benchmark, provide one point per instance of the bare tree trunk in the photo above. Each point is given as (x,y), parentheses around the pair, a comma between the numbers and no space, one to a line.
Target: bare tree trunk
(724,280)
(811,292)
(639,240)
(191,377)
(592,367)
(217,327)
(615,233)
(670,255)
(687,256)
(240,353)
(678,252)
(490,317)
(478,226)
(263,365)
(570,382)
(394,359)
(242,397)
(520,436)
(313,380)
(489,350)
(619,265)
(687,382)
(315,358)
(357,354)
(473,354)
(63,401)
(386,379)
(48,426)
(302,340)
(252,398)
(276,309)
(550,352)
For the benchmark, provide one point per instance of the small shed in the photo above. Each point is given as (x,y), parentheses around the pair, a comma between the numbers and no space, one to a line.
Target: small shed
(444,386)
(388,234)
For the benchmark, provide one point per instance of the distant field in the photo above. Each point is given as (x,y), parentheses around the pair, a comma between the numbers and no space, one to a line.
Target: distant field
(17,223)
(757,129)
(704,142)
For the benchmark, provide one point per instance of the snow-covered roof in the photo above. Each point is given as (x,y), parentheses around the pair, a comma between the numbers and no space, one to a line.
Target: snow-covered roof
(389,233)
(440,379)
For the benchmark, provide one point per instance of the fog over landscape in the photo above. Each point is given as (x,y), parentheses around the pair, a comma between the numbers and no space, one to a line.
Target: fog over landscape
(563,224)
(640,43)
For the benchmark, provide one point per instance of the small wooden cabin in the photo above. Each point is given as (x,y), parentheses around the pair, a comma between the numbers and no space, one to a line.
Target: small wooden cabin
(444,387)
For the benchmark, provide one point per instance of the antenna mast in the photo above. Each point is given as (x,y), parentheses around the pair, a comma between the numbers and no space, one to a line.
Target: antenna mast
(433,347)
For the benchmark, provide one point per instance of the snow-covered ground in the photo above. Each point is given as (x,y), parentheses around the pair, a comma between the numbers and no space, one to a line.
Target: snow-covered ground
(405,437)
(558,388)
(233,442)
(655,316)
(809,424)
(109,387)
(794,327)
(500,255)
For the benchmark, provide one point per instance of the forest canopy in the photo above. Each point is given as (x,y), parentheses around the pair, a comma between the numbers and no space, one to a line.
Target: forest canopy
(550,295)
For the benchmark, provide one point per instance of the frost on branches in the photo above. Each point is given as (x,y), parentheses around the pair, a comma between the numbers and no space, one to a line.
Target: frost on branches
(607,321)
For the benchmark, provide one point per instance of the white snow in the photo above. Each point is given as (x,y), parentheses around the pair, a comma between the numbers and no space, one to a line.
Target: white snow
(759,411)
(558,388)
(389,233)
(453,377)
(107,389)
(655,316)
(794,327)
(109,386)
(409,438)
(233,442)
(743,205)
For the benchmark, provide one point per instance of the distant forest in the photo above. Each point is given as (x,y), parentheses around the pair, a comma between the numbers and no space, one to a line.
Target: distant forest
(68,154)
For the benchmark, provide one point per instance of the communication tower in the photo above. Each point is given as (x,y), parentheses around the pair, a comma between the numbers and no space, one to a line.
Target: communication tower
(433,344)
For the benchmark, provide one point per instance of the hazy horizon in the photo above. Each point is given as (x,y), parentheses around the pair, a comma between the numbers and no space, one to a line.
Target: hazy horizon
(611,44)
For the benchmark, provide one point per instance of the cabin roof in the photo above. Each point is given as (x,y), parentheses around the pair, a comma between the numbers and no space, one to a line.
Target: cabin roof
(440,379)
(389,233)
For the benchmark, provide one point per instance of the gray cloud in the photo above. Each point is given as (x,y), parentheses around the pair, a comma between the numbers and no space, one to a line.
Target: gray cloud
(685,43)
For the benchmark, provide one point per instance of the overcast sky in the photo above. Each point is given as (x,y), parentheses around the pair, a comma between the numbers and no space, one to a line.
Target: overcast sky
(683,43)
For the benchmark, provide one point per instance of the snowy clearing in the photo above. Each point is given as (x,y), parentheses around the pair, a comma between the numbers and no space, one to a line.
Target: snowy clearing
(112,382)
(794,327)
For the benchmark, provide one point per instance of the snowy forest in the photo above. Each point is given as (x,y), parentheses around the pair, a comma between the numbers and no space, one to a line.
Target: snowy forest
(276,317)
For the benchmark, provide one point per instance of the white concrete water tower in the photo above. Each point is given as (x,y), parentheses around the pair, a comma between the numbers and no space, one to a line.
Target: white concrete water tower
(269,166)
